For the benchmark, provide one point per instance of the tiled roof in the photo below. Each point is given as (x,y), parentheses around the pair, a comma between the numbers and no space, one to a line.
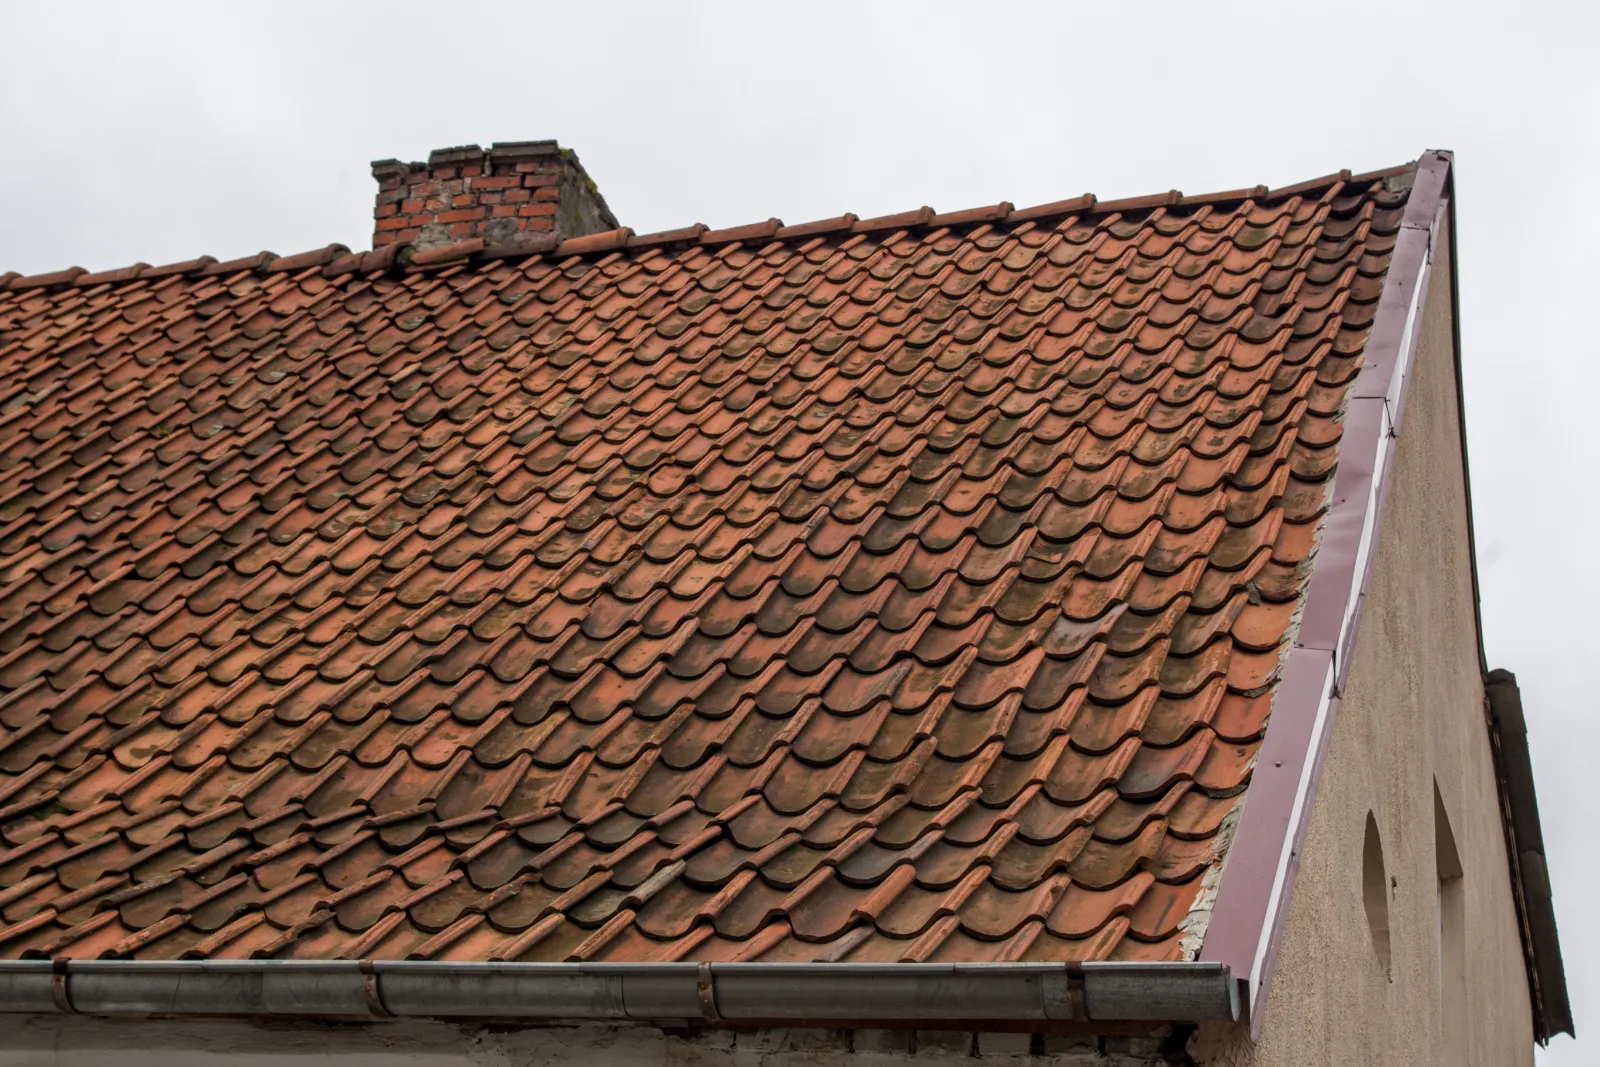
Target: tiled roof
(902,590)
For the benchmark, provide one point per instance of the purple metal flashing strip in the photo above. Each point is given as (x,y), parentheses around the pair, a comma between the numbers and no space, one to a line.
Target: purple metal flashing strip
(1260,866)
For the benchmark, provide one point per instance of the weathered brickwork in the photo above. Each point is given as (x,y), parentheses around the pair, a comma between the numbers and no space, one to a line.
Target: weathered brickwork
(510,188)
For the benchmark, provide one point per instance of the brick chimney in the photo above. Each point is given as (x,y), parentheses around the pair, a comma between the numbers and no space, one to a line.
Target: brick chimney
(513,188)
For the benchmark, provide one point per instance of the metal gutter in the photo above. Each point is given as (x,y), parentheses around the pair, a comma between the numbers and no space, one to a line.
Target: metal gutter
(1259,872)
(707,993)
(1530,878)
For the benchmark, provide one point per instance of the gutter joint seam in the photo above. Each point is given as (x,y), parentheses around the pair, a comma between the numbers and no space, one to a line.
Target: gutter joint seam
(370,991)
(706,991)
(58,987)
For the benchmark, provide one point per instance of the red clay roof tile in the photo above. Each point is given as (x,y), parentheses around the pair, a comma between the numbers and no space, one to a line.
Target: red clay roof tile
(909,588)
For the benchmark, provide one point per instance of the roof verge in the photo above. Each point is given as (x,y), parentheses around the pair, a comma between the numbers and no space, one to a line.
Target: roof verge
(1259,872)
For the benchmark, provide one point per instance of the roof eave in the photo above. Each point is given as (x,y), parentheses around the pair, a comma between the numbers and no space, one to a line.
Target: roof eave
(887,995)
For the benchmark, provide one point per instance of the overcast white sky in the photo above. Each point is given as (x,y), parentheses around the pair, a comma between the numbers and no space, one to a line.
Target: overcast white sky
(157,132)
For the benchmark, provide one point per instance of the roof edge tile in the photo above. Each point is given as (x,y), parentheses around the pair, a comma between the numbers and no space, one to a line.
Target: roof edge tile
(447,253)
(769,228)
(1077,205)
(260,261)
(41,281)
(320,257)
(1301,188)
(521,244)
(904,220)
(1141,203)
(667,237)
(820,226)
(188,266)
(997,213)
(104,277)
(604,241)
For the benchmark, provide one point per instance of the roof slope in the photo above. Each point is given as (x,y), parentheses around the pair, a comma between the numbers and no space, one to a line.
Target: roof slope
(910,591)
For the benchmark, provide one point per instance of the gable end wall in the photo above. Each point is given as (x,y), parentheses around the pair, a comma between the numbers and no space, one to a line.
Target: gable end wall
(1413,712)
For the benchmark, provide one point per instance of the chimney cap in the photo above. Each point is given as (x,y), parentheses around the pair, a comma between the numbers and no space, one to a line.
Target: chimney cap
(467,153)
(515,151)
(389,168)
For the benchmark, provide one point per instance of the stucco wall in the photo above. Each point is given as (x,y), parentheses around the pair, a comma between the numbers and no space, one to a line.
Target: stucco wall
(1412,712)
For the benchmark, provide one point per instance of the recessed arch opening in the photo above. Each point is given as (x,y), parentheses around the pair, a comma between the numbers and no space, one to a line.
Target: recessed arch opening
(1375,891)
(1452,934)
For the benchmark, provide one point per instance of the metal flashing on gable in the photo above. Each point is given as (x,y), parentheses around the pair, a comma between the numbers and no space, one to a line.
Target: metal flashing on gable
(1258,876)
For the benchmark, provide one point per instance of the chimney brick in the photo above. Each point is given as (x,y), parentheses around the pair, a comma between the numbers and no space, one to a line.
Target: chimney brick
(459,193)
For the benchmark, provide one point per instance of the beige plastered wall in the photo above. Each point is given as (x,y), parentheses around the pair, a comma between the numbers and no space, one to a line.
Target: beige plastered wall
(1412,714)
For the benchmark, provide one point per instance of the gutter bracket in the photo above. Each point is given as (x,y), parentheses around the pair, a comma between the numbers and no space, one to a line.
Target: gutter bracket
(58,987)
(706,991)
(369,990)
(1062,994)
(1075,998)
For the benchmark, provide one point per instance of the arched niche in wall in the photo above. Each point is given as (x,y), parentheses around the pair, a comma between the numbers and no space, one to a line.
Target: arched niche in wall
(1452,935)
(1375,891)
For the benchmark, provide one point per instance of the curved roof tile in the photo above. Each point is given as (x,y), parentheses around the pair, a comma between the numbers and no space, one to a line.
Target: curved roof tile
(871,590)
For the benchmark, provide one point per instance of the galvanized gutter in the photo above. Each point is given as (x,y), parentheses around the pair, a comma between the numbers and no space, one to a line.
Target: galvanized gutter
(707,993)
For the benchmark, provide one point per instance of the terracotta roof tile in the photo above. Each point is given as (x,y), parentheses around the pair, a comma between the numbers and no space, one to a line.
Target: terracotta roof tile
(909,588)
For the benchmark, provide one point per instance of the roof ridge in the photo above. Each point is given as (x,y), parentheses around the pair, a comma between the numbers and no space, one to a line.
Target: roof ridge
(337,259)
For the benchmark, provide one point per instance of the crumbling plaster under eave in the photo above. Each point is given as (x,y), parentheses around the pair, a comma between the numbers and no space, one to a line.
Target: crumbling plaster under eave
(65,1041)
